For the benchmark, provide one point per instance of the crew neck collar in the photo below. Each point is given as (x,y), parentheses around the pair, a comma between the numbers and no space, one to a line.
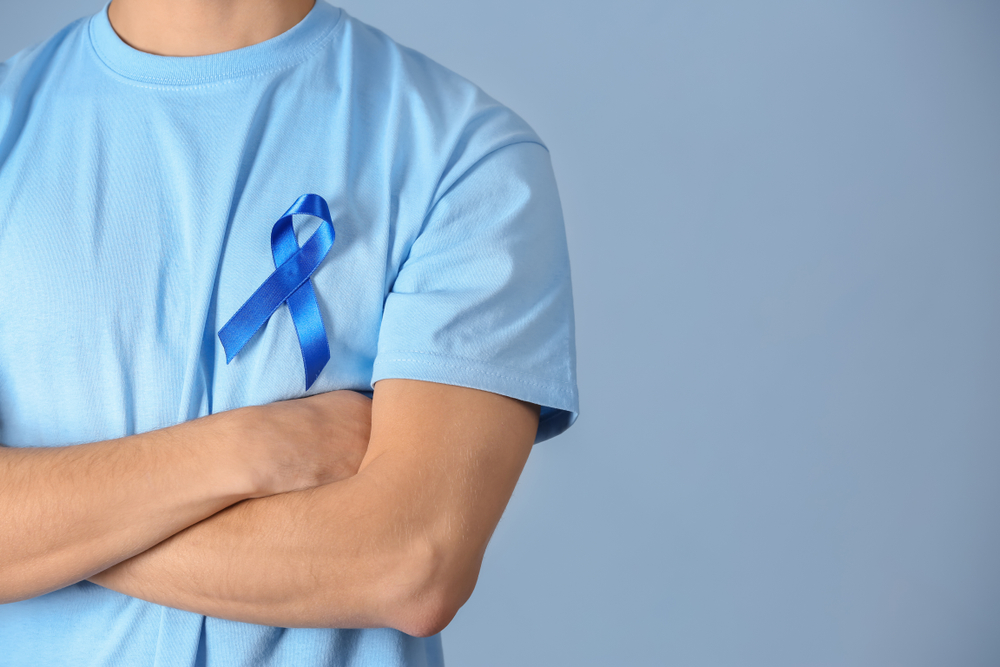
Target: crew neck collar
(286,49)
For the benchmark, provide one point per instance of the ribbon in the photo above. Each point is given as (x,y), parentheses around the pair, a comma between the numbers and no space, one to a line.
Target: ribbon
(293,266)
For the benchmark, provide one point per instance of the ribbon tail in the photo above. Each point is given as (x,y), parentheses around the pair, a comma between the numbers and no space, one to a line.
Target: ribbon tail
(309,328)
(242,326)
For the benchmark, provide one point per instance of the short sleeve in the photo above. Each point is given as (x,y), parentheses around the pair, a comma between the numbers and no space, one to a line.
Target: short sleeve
(483,299)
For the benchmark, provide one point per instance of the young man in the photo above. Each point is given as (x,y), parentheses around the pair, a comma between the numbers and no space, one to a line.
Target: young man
(158,304)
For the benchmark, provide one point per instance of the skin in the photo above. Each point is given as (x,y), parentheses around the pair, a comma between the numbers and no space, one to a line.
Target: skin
(398,545)
(328,511)
(69,512)
(202,27)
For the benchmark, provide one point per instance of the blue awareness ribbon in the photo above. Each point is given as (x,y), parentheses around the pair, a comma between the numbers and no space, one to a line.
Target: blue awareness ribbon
(290,283)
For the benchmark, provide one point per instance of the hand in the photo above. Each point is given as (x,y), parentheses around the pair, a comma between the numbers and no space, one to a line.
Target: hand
(305,442)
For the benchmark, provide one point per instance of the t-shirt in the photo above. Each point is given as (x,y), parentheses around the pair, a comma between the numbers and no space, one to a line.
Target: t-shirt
(137,198)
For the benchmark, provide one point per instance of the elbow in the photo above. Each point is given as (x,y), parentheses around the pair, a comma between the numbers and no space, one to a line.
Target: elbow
(437,583)
(428,617)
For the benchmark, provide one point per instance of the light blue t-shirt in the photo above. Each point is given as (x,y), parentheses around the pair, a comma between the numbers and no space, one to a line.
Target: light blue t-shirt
(137,196)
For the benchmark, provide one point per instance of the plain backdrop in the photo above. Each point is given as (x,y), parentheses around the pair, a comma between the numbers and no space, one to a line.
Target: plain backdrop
(784,226)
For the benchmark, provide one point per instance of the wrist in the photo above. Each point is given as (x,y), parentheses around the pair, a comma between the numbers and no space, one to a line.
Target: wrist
(242,462)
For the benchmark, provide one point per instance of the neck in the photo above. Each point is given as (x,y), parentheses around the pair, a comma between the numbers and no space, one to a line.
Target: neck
(202,27)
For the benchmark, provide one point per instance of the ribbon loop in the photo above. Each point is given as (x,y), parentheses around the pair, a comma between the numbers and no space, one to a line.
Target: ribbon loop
(289,283)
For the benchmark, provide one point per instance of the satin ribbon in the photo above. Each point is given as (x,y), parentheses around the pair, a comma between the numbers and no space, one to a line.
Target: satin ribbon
(289,284)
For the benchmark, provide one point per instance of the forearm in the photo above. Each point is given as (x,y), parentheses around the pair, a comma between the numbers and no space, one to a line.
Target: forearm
(324,557)
(68,512)
(397,545)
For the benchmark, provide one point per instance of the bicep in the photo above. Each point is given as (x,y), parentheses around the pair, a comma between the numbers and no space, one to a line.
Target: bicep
(456,447)
(449,457)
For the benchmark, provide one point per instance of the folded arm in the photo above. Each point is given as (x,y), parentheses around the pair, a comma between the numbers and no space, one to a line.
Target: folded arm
(398,545)
(69,512)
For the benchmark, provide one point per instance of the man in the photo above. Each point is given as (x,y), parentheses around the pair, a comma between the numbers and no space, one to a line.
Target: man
(149,157)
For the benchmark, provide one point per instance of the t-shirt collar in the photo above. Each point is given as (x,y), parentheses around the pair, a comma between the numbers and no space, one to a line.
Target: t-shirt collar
(282,51)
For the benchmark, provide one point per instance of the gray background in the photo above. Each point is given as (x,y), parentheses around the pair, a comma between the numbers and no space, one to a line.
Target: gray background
(784,223)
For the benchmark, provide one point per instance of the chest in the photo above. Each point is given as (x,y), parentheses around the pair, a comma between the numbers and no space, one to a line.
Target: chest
(122,257)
